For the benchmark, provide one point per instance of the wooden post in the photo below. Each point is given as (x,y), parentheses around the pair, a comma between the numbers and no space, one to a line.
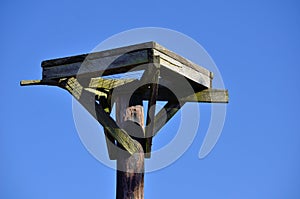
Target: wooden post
(130,168)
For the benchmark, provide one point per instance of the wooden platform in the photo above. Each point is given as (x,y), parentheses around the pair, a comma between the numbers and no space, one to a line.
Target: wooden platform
(164,72)
(122,59)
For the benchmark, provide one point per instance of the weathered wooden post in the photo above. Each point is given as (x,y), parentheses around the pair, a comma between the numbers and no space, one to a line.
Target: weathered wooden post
(89,78)
(130,168)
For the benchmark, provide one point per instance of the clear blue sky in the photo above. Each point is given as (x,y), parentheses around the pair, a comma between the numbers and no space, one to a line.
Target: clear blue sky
(256,46)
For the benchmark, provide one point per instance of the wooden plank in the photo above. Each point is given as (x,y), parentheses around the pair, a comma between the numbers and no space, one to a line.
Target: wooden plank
(165,94)
(123,50)
(208,96)
(204,96)
(180,59)
(96,55)
(95,67)
(199,75)
(123,59)
(38,82)
(108,83)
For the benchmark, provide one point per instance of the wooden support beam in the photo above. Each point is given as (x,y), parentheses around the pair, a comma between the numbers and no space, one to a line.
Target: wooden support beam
(130,168)
(110,140)
(151,76)
(108,83)
(204,96)
(185,68)
(39,82)
(208,96)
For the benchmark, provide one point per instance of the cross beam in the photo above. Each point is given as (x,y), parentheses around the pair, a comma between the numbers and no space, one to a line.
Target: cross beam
(100,111)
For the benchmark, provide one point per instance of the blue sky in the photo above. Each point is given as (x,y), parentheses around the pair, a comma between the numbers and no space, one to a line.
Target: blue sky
(256,47)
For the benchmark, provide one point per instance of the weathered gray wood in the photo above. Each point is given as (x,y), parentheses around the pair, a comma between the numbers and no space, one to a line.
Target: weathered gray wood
(98,66)
(108,83)
(38,82)
(123,59)
(190,71)
(208,96)
(182,60)
(96,55)
(123,50)
(204,96)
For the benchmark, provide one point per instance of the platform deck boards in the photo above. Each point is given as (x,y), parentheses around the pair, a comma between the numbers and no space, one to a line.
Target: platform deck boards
(123,59)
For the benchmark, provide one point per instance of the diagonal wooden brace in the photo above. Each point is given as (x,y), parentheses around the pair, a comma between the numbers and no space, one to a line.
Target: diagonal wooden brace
(87,100)
(165,114)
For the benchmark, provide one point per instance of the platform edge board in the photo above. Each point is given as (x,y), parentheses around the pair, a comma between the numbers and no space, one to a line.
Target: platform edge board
(129,56)
(96,55)
(181,59)
(108,65)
